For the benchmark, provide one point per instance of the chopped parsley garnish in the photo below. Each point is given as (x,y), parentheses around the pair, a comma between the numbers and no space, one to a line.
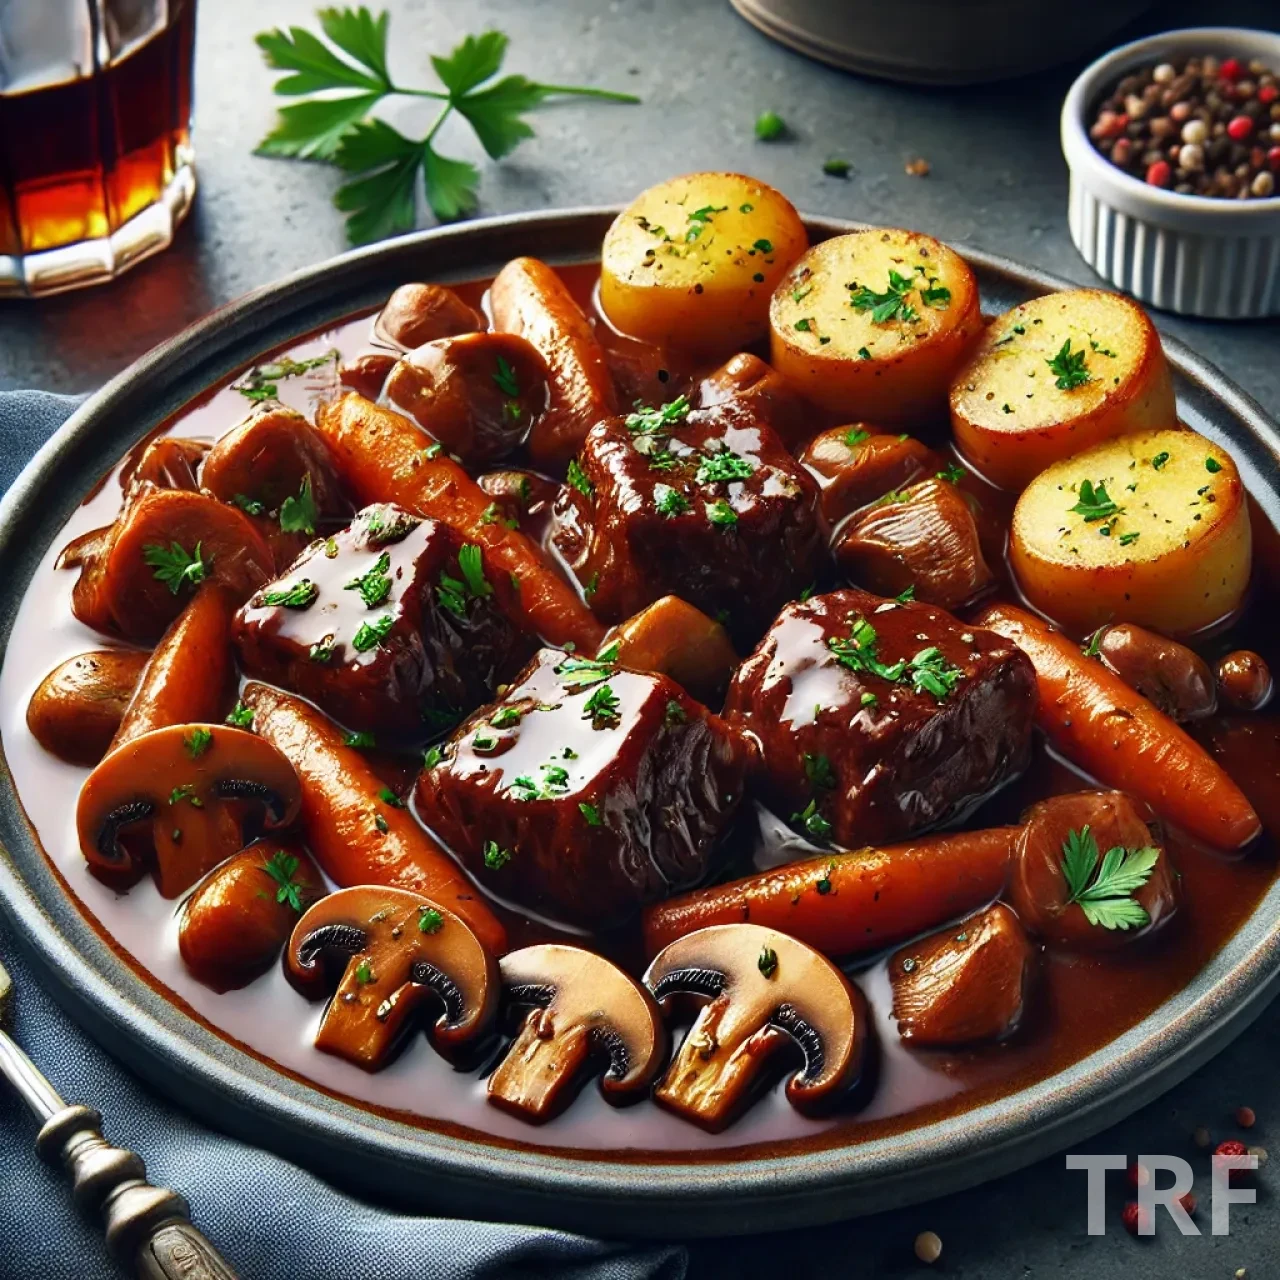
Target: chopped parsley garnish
(505,717)
(817,768)
(1104,892)
(723,467)
(1128,539)
(364,973)
(764,246)
(1093,646)
(864,354)
(577,477)
(675,713)
(591,814)
(198,741)
(581,673)
(241,717)
(1095,503)
(374,585)
(906,595)
(432,757)
(174,567)
(602,708)
(372,634)
(282,867)
(186,791)
(433,451)
(858,652)
(799,295)
(890,305)
(359,739)
(812,821)
(870,700)
(454,593)
(248,505)
(721,513)
(331,548)
(769,126)
(380,531)
(935,295)
(932,673)
(298,514)
(260,382)
(658,421)
(669,502)
(1159,460)
(836,168)
(387,796)
(767,961)
(506,379)
(301,595)
(803,325)
(1212,466)
(951,473)
(1069,367)
(381,823)
(430,920)
(855,437)
(699,219)
(495,857)
(322,650)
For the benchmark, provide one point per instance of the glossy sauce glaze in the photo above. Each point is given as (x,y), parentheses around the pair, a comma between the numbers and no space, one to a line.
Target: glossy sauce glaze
(1084,1002)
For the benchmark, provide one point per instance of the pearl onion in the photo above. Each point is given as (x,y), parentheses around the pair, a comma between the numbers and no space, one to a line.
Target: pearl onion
(1263,185)
(1164,73)
(1275,132)
(1195,131)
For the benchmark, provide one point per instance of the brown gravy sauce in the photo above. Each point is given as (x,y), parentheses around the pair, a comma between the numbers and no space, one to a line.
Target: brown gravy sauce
(1082,1004)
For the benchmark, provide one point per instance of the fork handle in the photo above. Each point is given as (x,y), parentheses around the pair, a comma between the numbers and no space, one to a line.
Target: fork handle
(147,1228)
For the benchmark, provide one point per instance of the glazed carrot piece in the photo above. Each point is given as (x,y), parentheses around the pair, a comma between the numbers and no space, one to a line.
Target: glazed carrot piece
(529,299)
(241,914)
(380,455)
(358,834)
(844,903)
(1113,733)
(188,678)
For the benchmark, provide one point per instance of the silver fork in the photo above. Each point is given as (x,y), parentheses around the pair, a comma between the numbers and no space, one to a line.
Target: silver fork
(148,1229)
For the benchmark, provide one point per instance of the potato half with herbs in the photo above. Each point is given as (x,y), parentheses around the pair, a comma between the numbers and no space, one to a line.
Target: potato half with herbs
(872,325)
(1055,376)
(693,261)
(1150,528)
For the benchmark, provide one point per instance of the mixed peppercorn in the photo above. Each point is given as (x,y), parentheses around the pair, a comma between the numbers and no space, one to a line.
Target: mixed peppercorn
(1202,126)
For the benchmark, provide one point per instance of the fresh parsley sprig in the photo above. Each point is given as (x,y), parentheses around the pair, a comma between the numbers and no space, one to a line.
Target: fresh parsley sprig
(339,83)
(1104,892)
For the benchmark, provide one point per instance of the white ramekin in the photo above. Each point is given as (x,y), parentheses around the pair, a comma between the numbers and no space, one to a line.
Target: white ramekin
(1194,255)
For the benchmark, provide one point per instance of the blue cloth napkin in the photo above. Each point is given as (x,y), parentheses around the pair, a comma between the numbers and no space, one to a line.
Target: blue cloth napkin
(271,1219)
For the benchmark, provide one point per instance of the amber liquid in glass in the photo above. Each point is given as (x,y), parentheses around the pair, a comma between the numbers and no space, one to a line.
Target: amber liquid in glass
(79,158)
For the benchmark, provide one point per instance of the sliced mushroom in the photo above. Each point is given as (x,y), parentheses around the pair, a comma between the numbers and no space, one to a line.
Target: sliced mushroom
(583,1008)
(389,952)
(168,462)
(765,992)
(418,313)
(204,790)
(964,984)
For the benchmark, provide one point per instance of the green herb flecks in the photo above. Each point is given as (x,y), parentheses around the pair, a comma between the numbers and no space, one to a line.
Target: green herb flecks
(374,585)
(298,514)
(241,717)
(659,421)
(577,477)
(602,708)
(261,383)
(300,595)
(174,567)
(812,822)
(1105,891)
(197,741)
(371,634)
(282,867)
(723,467)
(668,501)
(1094,503)
(1069,368)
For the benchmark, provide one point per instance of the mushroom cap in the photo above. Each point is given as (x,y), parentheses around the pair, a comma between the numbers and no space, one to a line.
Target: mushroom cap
(762,987)
(191,782)
(387,951)
(579,991)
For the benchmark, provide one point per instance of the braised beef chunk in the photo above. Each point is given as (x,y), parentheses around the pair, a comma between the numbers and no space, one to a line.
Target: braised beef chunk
(589,790)
(704,504)
(389,625)
(877,719)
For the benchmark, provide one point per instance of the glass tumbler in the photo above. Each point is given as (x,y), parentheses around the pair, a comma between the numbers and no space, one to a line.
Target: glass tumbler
(95,137)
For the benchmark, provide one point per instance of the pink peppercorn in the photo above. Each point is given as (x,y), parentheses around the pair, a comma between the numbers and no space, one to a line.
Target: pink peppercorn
(1240,128)
(1133,1218)
(1231,69)
(1273,158)
(1159,174)
(1267,94)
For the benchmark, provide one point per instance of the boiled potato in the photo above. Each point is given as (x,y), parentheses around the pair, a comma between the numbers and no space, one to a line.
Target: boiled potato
(1151,528)
(692,261)
(1055,376)
(872,325)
